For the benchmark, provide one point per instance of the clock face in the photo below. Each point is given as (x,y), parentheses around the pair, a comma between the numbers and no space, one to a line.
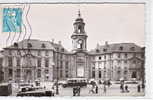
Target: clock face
(80,41)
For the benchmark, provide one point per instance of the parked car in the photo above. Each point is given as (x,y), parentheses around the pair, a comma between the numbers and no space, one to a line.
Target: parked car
(75,82)
(36,93)
(23,87)
(5,89)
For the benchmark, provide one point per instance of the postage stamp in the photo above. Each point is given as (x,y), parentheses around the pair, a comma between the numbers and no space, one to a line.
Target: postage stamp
(12,19)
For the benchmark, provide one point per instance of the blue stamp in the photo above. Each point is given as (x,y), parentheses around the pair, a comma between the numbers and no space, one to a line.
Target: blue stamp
(12,20)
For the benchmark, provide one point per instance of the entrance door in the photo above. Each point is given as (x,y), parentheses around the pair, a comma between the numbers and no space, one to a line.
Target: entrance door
(80,70)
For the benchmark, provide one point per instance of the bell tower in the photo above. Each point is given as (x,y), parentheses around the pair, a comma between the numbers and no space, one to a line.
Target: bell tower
(79,37)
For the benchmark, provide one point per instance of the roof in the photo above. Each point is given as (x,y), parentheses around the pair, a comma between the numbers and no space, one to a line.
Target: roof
(117,47)
(36,44)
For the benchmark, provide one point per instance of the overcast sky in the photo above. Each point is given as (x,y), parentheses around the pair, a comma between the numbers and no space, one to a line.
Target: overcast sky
(115,23)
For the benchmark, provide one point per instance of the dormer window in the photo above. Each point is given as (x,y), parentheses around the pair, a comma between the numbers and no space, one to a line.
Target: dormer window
(121,48)
(15,44)
(43,45)
(10,52)
(97,50)
(62,49)
(132,48)
(104,50)
(99,57)
(29,45)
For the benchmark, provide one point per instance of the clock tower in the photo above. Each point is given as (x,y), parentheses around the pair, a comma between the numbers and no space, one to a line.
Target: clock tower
(79,37)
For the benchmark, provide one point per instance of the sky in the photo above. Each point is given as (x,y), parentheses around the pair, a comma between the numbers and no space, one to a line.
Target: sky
(115,23)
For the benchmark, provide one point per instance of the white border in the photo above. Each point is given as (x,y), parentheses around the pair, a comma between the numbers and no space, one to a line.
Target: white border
(148,45)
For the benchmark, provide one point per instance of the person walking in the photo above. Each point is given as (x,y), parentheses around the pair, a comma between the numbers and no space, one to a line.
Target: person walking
(96,90)
(104,88)
(92,89)
(74,91)
(126,88)
(78,90)
(138,88)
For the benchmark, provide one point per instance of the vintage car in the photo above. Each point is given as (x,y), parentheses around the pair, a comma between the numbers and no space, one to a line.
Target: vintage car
(37,93)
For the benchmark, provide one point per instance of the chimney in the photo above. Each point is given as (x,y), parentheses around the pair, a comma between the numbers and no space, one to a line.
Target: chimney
(106,43)
(97,46)
(52,41)
(59,42)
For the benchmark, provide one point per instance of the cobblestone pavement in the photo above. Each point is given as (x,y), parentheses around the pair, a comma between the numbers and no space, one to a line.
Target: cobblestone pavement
(113,90)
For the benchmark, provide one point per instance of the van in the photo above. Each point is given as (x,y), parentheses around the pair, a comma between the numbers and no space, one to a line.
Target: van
(72,82)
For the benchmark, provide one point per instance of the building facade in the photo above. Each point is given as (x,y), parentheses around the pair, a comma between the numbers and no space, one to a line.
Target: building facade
(31,60)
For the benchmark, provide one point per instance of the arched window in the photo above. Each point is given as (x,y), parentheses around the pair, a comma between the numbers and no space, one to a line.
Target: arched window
(121,48)
(29,45)
(97,50)
(132,48)
(134,74)
(43,45)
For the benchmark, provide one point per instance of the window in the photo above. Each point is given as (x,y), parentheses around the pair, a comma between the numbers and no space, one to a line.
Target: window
(97,50)
(125,61)
(121,48)
(10,52)
(119,61)
(118,72)
(125,72)
(47,53)
(142,55)
(134,74)
(46,71)
(43,45)
(39,62)
(47,62)
(18,61)
(10,73)
(104,50)
(134,54)
(39,53)
(132,48)
(66,65)
(99,74)
(66,75)
(10,62)
(125,55)
(1,62)
(39,73)
(15,44)
(99,58)
(62,49)
(119,55)
(29,45)
(134,61)
(61,64)
(104,56)
(18,73)
(93,74)
(61,73)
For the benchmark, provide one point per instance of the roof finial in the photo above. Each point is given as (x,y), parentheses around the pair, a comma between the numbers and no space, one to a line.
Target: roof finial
(79,14)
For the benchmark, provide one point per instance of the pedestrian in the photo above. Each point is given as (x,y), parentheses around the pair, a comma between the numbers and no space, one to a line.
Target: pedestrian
(104,88)
(143,86)
(74,91)
(126,88)
(96,90)
(122,87)
(138,88)
(78,91)
(92,89)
